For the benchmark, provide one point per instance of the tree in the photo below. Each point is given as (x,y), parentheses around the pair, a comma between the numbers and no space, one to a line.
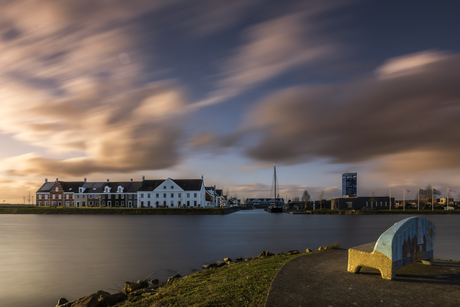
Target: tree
(372,200)
(321,196)
(305,198)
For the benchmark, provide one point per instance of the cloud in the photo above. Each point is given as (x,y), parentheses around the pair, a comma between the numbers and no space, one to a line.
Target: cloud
(273,47)
(66,86)
(364,120)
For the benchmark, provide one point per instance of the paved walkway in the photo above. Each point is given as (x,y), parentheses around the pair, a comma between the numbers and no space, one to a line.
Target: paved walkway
(321,279)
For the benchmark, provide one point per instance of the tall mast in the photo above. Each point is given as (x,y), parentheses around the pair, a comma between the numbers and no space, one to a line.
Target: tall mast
(274,179)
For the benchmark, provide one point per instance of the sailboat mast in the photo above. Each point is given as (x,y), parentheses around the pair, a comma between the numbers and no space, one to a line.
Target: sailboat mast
(274,179)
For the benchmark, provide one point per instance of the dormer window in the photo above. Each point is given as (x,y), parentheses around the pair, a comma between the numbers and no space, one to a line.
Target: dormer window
(120,189)
(107,190)
(80,190)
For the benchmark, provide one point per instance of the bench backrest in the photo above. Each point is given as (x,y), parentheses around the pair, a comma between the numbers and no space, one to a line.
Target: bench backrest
(409,237)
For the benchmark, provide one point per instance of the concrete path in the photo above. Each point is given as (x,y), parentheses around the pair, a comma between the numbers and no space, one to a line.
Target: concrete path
(321,279)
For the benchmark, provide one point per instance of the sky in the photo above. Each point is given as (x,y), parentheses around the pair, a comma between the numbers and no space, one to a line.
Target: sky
(114,89)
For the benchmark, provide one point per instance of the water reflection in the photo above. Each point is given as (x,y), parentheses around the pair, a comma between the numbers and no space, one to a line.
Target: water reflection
(72,255)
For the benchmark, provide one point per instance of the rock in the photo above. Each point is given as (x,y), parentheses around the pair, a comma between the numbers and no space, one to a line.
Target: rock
(293,252)
(154,281)
(131,286)
(62,301)
(143,283)
(227,260)
(281,254)
(220,263)
(262,254)
(247,259)
(210,266)
(93,300)
(321,248)
(239,259)
(172,278)
(308,250)
(115,299)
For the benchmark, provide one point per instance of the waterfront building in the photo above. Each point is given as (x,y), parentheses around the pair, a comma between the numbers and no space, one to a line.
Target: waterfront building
(350,185)
(131,194)
(263,202)
(356,203)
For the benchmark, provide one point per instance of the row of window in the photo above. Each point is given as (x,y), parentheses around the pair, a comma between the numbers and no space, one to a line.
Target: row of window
(157,203)
(172,195)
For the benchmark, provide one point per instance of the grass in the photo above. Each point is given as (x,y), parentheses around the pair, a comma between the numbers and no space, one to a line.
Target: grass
(119,211)
(238,284)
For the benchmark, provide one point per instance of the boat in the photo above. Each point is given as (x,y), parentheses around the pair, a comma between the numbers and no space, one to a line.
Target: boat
(277,206)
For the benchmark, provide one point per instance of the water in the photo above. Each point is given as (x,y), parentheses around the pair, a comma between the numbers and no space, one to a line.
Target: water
(46,257)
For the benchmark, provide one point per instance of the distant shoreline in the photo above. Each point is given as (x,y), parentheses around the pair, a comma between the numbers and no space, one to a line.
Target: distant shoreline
(117,211)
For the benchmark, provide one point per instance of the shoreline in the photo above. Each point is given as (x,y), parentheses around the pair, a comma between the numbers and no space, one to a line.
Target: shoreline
(118,211)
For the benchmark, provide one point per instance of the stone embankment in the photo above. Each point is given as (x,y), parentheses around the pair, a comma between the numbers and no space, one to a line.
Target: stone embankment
(136,289)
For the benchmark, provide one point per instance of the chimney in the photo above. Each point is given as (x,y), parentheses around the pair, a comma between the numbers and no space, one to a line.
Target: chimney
(84,180)
(143,178)
(202,177)
(107,180)
(46,180)
(57,179)
(131,179)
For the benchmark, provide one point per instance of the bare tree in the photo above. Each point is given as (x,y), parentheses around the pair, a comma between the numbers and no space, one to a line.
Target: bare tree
(305,198)
(321,196)
(372,200)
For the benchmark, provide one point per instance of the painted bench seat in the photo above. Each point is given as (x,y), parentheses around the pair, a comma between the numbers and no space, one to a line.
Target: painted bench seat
(406,242)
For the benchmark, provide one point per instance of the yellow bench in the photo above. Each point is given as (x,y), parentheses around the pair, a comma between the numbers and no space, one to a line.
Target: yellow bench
(405,242)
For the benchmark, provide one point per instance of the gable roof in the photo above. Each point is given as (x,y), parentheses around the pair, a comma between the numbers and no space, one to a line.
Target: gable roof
(150,185)
(189,184)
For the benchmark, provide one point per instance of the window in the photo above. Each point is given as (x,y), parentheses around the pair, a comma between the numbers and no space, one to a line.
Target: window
(116,196)
(39,203)
(194,194)
(67,196)
(78,204)
(148,203)
(57,189)
(172,195)
(39,197)
(158,195)
(164,195)
(179,195)
(54,196)
(188,194)
(103,203)
(46,196)
(130,203)
(148,195)
(110,196)
(194,203)
(116,204)
(83,203)
(130,196)
(59,196)
(90,203)
(164,203)
(78,196)
(142,195)
(164,187)
(172,203)
(172,187)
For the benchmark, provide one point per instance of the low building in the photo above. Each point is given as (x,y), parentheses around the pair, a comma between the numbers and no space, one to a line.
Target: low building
(133,194)
(356,203)
(263,202)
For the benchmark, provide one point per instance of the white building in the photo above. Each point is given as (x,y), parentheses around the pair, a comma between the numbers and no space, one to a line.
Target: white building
(172,193)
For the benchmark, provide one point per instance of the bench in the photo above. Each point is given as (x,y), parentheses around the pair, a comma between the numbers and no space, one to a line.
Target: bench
(406,242)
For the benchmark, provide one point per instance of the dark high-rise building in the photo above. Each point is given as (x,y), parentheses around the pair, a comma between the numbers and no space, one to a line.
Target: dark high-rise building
(349,185)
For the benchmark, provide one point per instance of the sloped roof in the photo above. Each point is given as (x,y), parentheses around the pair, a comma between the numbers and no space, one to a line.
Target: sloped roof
(189,184)
(150,185)
(46,187)
(71,186)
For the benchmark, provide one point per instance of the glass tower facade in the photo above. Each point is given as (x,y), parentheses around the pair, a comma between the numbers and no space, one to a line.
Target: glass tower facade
(349,185)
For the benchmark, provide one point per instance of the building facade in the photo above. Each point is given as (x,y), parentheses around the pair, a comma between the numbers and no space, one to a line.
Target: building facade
(350,185)
(168,193)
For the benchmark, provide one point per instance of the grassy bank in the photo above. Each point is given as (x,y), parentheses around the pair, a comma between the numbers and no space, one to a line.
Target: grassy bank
(118,211)
(238,284)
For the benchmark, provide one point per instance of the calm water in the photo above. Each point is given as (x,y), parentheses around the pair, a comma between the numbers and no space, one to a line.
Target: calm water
(45,257)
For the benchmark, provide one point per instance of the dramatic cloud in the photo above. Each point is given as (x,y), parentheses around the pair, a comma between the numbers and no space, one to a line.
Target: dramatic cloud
(72,82)
(367,119)
(273,47)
